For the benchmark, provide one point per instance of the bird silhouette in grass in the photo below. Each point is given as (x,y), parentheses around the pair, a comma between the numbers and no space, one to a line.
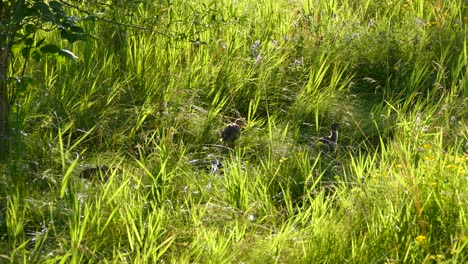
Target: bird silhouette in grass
(232,131)
(331,141)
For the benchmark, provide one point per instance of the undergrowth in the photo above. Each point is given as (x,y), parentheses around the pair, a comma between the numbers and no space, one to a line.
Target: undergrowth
(116,157)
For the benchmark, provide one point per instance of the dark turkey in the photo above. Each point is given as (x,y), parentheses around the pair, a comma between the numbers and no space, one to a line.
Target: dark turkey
(332,140)
(232,131)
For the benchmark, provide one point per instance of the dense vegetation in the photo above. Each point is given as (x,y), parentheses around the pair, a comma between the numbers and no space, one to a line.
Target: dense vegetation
(116,156)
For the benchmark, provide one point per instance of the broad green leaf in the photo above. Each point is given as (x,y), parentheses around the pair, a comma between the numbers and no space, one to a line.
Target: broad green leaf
(30,28)
(39,43)
(50,49)
(29,41)
(44,10)
(42,7)
(17,16)
(77,29)
(36,56)
(56,6)
(30,12)
(25,52)
(71,37)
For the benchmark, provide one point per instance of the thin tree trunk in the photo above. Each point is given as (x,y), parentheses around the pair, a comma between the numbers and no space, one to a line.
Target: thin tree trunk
(4,64)
(4,104)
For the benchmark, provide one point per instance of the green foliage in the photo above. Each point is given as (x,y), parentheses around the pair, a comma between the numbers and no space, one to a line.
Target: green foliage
(23,25)
(117,155)
(24,20)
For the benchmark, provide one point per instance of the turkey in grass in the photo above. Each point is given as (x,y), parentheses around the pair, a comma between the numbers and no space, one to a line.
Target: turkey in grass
(331,141)
(232,131)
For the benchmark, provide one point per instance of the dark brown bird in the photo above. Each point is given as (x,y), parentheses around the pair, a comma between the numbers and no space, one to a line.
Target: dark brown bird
(232,131)
(332,140)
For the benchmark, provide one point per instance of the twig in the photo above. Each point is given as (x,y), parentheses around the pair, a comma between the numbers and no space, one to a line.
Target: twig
(117,23)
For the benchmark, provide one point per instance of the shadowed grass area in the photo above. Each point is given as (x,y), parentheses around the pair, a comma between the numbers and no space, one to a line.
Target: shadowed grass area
(117,157)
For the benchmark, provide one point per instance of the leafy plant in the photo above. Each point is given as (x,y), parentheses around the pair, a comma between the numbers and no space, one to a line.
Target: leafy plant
(22,22)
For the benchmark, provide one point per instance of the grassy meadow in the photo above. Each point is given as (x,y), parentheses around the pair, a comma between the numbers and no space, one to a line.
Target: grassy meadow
(116,156)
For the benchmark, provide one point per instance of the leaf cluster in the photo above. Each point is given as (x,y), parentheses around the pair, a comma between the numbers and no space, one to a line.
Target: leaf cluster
(23,20)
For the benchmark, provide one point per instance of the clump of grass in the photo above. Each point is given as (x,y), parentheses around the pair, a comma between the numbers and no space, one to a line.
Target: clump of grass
(141,119)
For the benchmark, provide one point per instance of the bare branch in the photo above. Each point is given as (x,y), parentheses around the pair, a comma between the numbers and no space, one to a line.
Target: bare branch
(117,23)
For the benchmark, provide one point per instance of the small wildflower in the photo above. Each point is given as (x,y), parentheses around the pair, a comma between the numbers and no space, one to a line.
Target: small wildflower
(399,166)
(424,128)
(405,7)
(424,167)
(255,49)
(283,159)
(426,146)
(421,238)
(298,63)
(438,257)
(258,59)
(224,45)
(461,159)
(451,167)
(251,217)
(275,43)
(420,22)
(453,120)
(430,158)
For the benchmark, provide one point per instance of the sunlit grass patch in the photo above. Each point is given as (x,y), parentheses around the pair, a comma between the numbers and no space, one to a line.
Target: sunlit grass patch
(118,157)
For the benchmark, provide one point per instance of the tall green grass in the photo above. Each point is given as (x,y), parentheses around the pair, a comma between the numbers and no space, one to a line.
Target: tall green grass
(140,115)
